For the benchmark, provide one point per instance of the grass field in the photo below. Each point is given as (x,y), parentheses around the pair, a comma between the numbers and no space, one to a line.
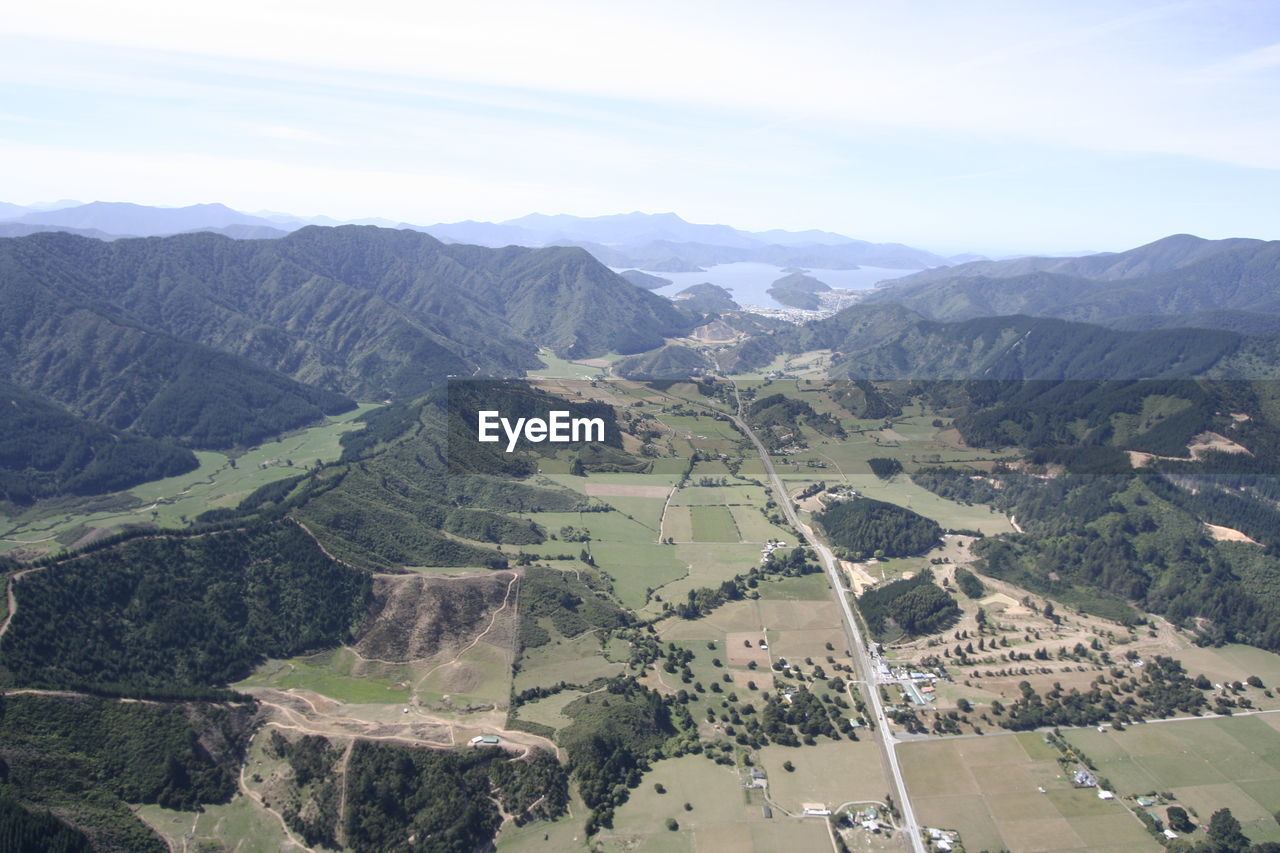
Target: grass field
(481,675)
(805,588)
(724,818)
(706,565)
(987,789)
(714,524)
(637,567)
(719,496)
(623,547)
(329,674)
(576,661)
(559,368)
(646,511)
(754,527)
(1232,663)
(677,524)
(239,826)
(694,428)
(1207,764)
(221,481)
(547,711)
(831,773)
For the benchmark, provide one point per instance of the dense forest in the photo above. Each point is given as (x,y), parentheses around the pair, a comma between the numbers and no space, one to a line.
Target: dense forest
(373,312)
(466,455)
(88,757)
(45,451)
(23,831)
(864,528)
(1176,275)
(180,611)
(884,467)
(917,605)
(444,799)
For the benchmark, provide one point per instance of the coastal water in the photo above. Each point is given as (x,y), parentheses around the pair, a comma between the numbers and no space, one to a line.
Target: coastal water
(750,282)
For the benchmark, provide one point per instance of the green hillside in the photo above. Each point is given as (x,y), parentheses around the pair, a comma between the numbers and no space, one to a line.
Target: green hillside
(46,451)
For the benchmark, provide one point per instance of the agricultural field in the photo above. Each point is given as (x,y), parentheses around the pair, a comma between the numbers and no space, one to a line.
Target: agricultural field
(831,773)
(725,816)
(713,524)
(577,661)
(623,547)
(988,789)
(1209,764)
(744,495)
(222,480)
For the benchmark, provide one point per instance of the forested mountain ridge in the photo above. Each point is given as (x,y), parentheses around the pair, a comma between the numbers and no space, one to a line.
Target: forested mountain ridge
(46,451)
(67,344)
(1167,253)
(361,310)
(1180,275)
(888,341)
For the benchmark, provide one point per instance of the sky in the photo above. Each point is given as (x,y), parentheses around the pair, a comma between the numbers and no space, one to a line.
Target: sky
(995,127)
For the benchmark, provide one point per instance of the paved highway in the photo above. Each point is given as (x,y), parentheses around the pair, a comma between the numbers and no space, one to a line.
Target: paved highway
(861,656)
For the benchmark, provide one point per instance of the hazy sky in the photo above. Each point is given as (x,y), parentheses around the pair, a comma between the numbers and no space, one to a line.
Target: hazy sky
(952,125)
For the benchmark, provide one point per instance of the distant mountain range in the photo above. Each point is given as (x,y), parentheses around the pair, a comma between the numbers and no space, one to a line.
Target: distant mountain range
(663,242)
(1187,280)
(138,220)
(660,242)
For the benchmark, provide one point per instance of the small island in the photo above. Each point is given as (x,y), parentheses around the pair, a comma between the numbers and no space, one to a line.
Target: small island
(798,290)
(707,298)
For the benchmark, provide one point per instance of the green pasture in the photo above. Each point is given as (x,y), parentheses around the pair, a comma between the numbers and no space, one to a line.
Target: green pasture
(239,825)
(330,673)
(988,789)
(579,660)
(1207,764)
(222,480)
(714,524)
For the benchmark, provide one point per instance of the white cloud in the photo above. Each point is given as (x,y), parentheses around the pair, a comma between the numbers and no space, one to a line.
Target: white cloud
(1096,75)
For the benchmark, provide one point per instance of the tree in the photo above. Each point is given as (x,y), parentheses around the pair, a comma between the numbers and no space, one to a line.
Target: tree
(673,824)
(1224,829)
(658,786)
(788,766)
(1179,821)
